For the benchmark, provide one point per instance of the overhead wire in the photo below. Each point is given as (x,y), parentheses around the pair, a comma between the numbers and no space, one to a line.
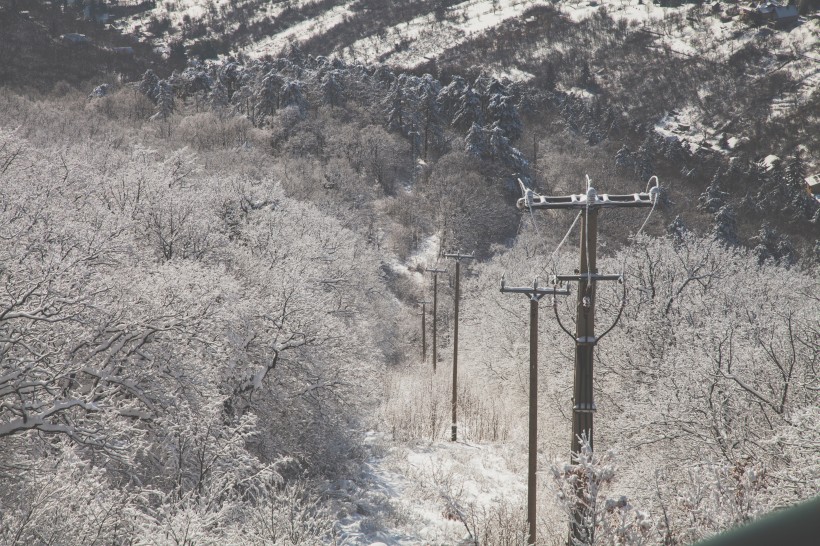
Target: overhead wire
(528,194)
(653,194)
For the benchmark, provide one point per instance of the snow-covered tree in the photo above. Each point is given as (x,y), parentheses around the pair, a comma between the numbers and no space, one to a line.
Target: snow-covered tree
(165,101)
(501,110)
(149,85)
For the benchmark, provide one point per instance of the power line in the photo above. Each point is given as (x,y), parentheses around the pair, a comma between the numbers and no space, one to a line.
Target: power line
(587,276)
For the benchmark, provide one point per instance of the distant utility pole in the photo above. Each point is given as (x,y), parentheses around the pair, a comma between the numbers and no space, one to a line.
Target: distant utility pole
(435,273)
(535,293)
(589,203)
(457,257)
(423,330)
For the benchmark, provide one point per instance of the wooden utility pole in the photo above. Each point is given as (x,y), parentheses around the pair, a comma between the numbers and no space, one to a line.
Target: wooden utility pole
(435,273)
(589,203)
(423,331)
(457,257)
(534,293)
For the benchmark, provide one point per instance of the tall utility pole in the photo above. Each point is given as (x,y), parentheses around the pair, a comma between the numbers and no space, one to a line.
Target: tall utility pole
(423,331)
(435,273)
(589,204)
(457,297)
(535,293)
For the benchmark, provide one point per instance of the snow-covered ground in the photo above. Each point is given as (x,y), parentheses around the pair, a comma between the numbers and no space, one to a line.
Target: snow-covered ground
(303,30)
(427,38)
(436,493)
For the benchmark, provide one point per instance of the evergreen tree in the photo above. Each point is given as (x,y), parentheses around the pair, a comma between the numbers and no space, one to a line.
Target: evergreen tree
(726,226)
(501,111)
(430,115)
(219,96)
(292,95)
(796,171)
(713,198)
(165,101)
(468,111)
(644,159)
(332,91)
(449,98)
(149,85)
(267,97)
(677,229)
(396,111)
(771,246)
(477,143)
(623,158)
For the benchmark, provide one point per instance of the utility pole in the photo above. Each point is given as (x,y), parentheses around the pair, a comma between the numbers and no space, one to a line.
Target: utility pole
(435,273)
(457,297)
(534,293)
(423,330)
(587,276)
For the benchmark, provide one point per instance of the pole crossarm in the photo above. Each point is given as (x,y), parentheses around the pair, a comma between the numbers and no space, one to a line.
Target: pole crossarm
(589,204)
(434,270)
(534,292)
(589,277)
(588,200)
(458,256)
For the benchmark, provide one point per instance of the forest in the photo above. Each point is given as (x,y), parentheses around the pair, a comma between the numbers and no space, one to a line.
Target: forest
(209,315)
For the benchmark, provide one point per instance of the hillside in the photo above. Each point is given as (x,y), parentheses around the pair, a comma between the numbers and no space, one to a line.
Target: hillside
(705,86)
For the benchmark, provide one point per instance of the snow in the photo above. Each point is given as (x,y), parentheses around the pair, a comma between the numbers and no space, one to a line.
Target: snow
(420,483)
(275,44)
(429,38)
(427,255)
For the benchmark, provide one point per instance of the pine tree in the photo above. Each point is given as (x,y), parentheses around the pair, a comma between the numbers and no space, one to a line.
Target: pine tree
(713,198)
(165,101)
(292,95)
(430,115)
(332,91)
(677,229)
(468,111)
(476,141)
(449,97)
(796,171)
(267,97)
(623,158)
(396,112)
(501,110)
(149,85)
(219,96)
(726,226)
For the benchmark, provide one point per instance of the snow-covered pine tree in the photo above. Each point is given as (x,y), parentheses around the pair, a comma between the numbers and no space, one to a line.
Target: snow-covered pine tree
(501,110)
(149,85)
(469,111)
(292,94)
(165,101)
(713,198)
(726,226)
(476,141)
(267,97)
(332,90)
